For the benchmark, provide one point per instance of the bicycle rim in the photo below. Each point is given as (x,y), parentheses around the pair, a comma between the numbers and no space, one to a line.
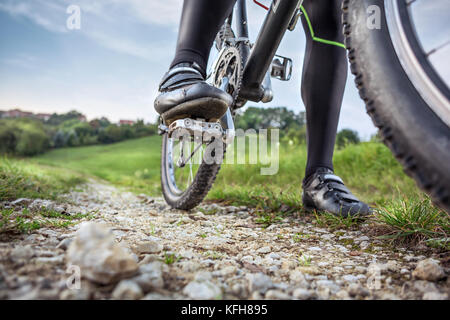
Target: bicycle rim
(428,77)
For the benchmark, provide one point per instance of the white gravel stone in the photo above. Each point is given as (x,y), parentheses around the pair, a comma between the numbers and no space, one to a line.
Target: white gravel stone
(259,282)
(298,278)
(265,249)
(435,296)
(205,290)
(22,253)
(425,286)
(302,294)
(99,256)
(189,266)
(404,271)
(274,256)
(228,271)
(328,284)
(342,294)
(350,278)
(276,295)
(127,290)
(149,281)
(428,269)
(203,276)
(149,247)
(64,244)
(355,289)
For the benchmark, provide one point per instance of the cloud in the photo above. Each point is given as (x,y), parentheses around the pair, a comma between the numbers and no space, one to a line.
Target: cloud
(163,13)
(100,21)
(21,60)
(41,13)
(155,52)
(121,45)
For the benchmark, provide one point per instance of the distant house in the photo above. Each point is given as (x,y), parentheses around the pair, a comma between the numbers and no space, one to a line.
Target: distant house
(43,116)
(16,113)
(126,122)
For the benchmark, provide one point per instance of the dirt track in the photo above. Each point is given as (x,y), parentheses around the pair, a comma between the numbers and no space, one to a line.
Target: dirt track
(170,254)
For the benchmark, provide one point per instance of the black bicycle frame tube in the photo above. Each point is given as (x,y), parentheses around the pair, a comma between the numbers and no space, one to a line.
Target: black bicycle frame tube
(242,27)
(241,18)
(266,45)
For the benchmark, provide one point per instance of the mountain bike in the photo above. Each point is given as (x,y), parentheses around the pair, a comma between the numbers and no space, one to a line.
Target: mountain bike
(404,90)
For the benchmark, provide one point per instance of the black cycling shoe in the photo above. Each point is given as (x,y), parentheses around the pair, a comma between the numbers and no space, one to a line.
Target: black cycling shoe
(324,191)
(185,94)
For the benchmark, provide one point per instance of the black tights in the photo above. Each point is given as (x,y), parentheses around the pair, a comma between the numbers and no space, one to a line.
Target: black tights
(324,68)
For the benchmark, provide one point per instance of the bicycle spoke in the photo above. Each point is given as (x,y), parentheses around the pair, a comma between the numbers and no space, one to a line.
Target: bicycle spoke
(436,49)
(183,159)
(191,176)
(192,154)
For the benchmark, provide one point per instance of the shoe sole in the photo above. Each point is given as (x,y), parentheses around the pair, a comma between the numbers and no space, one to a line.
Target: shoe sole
(210,109)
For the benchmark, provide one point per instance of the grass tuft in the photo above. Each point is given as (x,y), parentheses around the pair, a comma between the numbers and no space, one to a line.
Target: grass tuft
(304,260)
(26,221)
(171,258)
(332,222)
(415,220)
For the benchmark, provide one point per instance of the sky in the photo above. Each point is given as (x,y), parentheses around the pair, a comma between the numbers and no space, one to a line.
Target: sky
(113,64)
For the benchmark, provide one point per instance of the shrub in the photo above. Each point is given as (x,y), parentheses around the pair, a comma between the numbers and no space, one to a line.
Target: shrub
(345,137)
(8,137)
(112,133)
(25,137)
(32,142)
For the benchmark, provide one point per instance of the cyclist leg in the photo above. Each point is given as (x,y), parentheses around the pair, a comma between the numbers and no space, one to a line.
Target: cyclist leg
(183,91)
(200,22)
(323,84)
(323,79)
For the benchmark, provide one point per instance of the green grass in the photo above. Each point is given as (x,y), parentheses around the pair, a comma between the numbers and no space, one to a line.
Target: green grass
(332,222)
(133,164)
(171,258)
(304,261)
(414,221)
(26,221)
(368,169)
(24,179)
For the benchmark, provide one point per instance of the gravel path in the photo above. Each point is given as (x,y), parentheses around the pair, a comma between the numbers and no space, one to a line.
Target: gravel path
(136,247)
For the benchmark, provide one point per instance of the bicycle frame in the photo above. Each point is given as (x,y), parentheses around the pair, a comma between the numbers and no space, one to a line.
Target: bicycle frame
(263,51)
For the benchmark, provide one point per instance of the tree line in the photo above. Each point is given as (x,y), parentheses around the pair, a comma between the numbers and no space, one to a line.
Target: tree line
(28,136)
(292,125)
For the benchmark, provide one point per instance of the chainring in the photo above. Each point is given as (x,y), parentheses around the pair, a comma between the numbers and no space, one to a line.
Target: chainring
(223,35)
(229,64)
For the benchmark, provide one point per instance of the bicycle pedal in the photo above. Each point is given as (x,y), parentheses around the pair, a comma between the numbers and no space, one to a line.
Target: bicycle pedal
(281,68)
(196,129)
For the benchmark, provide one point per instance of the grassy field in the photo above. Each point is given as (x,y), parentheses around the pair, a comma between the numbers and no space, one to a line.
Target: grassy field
(25,179)
(133,164)
(368,169)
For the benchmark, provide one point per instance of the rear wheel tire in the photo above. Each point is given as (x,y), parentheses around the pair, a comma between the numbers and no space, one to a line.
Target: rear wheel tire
(417,137)
(197,190)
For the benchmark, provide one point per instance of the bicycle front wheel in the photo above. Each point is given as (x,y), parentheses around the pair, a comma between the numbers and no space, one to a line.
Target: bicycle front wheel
(405,90)
(188,171)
